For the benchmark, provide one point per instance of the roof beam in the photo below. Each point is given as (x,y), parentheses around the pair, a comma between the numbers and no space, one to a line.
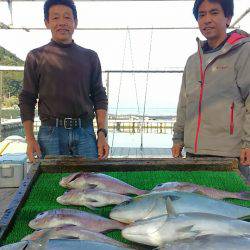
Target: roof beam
(28,29)
(4,26)
(167,70)
(108,0)
(241,17)
(11,68)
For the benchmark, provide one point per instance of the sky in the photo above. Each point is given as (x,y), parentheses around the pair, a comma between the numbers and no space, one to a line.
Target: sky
(169,48)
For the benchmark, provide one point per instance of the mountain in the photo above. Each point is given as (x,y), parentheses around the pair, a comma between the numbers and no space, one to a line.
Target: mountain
(12,80)
(9,59)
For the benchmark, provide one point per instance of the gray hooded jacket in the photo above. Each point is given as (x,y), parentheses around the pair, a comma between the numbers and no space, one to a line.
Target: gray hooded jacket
(213,115)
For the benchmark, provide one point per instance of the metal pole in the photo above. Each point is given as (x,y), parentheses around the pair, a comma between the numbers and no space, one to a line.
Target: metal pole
(28,29)
(1,99)
(107,83)
(241,17)
(107,89)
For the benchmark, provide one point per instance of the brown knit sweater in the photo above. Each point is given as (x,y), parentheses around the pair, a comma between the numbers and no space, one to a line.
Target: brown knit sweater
(67,81)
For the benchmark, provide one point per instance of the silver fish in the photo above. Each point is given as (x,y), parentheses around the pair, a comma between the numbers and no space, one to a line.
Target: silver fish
(91,198)
(174,227)
(60,217)
(85,181)
(70,232)
(194,188)
(154,204)
(210,242)
(15,246)
(63,244)
(23,245)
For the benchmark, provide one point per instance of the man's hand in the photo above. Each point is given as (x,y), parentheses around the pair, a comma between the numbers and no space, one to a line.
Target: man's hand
(33,150)
(245,157)
(176,150)
(102,146)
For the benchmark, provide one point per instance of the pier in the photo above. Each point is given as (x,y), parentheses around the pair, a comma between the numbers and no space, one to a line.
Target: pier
(133,126)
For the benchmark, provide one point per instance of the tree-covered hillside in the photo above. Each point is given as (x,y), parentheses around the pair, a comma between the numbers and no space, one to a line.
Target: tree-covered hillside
(12,81)
(9,59)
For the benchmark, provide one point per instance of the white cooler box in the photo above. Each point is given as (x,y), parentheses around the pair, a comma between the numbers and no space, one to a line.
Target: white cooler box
(12,169)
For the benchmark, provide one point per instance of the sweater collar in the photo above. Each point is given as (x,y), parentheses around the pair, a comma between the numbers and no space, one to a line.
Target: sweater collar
(62,45)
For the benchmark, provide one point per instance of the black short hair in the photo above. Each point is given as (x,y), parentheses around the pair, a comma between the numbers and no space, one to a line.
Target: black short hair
(227,6)
(68,3)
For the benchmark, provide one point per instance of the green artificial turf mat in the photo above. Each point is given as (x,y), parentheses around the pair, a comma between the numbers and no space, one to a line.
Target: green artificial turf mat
(46,189)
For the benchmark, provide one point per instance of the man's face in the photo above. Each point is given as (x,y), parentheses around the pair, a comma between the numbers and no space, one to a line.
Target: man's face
(212,21)
(61,22)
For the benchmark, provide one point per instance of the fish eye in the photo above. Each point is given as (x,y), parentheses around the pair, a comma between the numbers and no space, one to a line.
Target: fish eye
(125,202)
(159,185)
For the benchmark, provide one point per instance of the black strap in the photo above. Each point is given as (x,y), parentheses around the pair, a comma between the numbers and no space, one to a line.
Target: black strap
(67,122)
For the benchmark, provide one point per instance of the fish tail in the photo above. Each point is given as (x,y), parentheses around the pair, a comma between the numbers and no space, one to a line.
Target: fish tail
(244,196)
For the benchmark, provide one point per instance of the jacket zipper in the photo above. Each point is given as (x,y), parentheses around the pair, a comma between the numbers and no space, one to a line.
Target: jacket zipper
(202,74)
(232,119)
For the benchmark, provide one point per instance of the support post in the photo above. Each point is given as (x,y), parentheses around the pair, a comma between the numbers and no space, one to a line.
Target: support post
(1,100)
(107,89)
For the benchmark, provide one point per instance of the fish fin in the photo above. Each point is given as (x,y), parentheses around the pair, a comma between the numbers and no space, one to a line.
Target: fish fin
(69,237)
(170,209)
(197,191)
(25,247)
(188,229)
(185,229)
(171,197)
(93,201)
(190,188)
(244,196)
(90,206)
(160,247)
(245,218)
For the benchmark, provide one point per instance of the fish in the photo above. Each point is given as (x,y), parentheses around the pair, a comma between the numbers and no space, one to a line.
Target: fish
(60,217)
(154,204)
(70,232)
(210,242)
(23,245)
(15,246)
(83,181)
(91,198)
(194,188)
(174,227)
(63,244)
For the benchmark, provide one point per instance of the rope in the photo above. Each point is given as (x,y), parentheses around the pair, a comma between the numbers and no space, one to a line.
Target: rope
(133,74)
(146,90)
(119,91)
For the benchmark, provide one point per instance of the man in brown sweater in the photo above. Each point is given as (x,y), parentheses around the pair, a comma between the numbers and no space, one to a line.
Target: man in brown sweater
(66,80)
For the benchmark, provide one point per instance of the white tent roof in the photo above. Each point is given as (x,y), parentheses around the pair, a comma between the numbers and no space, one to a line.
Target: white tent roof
(170,47)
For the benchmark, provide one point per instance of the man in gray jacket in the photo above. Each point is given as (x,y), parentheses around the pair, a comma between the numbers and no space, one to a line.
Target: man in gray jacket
(213,115)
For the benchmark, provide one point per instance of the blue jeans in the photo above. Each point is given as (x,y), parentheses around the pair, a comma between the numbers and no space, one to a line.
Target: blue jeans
(60,141)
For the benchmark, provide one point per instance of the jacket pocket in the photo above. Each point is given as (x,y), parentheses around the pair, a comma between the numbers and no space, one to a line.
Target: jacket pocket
(232,118)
